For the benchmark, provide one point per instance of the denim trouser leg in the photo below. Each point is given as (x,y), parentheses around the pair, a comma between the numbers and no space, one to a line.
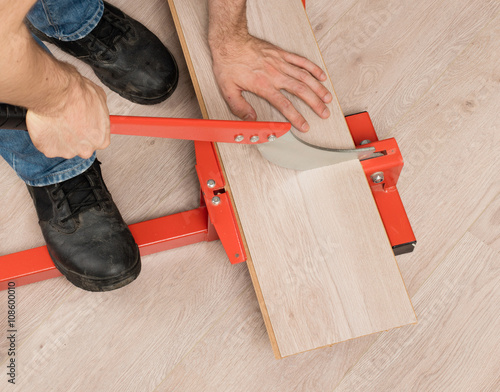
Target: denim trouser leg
(67,20)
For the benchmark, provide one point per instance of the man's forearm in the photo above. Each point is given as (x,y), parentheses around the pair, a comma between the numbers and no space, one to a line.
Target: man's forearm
(29,76)
(227,20)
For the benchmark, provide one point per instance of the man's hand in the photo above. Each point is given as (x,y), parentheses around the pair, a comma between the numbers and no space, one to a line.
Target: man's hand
(67,113)
(78,126)
(242,62)
(254,65)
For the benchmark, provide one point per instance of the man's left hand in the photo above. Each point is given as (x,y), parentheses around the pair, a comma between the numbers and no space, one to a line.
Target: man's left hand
(251,64)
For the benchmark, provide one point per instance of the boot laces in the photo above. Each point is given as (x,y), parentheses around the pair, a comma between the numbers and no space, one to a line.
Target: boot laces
(80,195)
(108,32)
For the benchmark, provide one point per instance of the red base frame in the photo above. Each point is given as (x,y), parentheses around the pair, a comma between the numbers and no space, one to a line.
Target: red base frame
(217,220)
(385,193)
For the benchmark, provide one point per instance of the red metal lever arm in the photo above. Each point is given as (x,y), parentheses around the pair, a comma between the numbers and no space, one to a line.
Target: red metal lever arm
(243,132)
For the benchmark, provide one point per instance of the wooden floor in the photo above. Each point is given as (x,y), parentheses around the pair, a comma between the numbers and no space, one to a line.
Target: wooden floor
(429,74)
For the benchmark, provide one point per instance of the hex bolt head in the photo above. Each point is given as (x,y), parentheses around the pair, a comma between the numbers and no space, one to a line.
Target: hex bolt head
(239,138)
(254,139)
(211,183)
(377,177)
(366,141)
(216,200)
(271,138)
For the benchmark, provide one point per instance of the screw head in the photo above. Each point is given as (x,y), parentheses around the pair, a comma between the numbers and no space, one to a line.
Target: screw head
(366,141)
(239,138)
(216,200)
(377,177)
(254,139)
(271,138)
(211,183)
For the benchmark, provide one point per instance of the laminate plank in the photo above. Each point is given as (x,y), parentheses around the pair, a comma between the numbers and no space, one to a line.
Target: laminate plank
(323,271)
(456,344)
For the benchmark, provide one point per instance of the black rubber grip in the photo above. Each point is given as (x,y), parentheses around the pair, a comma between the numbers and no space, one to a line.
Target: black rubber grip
(12,117)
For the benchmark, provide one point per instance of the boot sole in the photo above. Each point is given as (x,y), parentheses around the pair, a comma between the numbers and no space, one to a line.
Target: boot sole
(97,284)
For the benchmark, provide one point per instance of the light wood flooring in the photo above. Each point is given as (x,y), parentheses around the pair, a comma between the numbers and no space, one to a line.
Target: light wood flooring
(429,74)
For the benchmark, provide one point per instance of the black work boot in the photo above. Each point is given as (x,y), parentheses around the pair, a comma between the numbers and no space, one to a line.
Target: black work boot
(85,234)
(125,56)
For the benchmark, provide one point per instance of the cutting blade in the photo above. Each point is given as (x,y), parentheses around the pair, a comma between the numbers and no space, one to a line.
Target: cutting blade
(293,153)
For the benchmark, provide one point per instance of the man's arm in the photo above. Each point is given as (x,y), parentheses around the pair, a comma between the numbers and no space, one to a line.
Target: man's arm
(67,113)
(242,62)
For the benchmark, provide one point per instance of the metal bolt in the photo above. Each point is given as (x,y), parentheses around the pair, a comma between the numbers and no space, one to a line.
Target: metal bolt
(271,138)
(254,139)
(211,183)
(239,138)
(366,141)
(237,255)
(216,200)
(377,177)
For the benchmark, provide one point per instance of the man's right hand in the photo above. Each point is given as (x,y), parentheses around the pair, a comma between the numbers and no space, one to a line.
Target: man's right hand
(79,124)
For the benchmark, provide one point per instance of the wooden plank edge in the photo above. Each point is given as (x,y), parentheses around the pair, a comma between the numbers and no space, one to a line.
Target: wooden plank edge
(353,338)
(201,102)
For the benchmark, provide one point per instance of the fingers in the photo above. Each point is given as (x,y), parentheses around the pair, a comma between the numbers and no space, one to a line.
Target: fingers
(239,105)
(303,76)
(85,150)
(300,77)
(283,104)
(304,63)
(77,128)
(303,85)
(304,92)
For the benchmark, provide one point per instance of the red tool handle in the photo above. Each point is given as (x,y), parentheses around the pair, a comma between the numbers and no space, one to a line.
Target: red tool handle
(243,132)
(225,131)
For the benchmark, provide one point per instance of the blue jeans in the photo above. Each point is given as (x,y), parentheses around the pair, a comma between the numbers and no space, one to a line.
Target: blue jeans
(67,20)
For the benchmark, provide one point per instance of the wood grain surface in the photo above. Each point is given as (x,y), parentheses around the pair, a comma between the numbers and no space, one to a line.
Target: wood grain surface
(319,258)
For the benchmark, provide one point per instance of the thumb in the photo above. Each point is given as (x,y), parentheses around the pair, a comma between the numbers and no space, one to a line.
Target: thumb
(239,105)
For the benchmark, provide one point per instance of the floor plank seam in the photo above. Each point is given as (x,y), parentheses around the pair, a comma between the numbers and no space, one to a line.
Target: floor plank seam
(359,359)
(209,330)
(482,212)
(483,242)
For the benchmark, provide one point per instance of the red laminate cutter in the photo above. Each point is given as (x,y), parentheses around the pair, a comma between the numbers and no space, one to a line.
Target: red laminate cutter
(215,218)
